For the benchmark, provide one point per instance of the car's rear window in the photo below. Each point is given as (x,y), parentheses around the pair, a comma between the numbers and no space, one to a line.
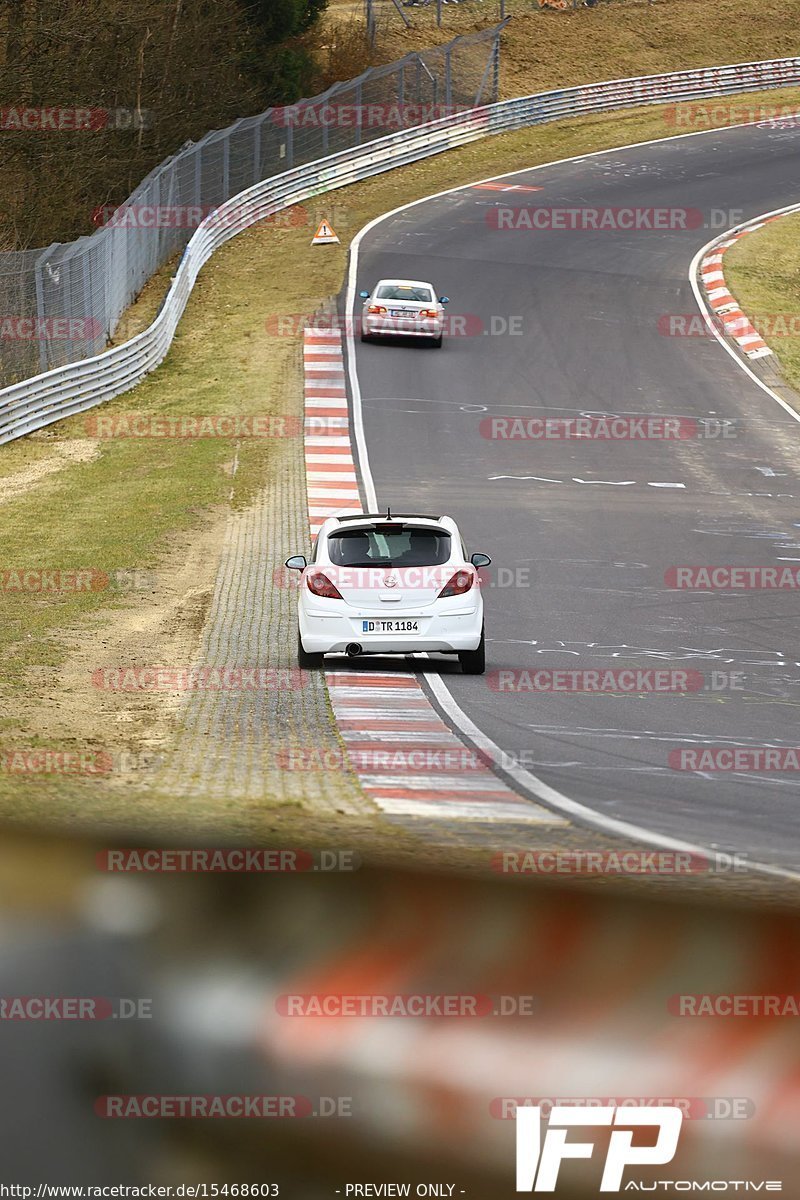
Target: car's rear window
(396,291)
(405,546)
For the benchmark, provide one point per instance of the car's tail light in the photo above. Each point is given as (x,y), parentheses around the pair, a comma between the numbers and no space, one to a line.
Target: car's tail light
(429,312)
(376,308)
(321,586)
(461,582)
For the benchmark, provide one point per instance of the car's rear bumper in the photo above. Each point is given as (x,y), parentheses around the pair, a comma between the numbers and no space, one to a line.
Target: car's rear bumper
(392,329)
(333,634)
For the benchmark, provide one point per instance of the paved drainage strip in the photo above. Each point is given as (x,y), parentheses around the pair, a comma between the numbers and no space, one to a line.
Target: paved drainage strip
(385,717)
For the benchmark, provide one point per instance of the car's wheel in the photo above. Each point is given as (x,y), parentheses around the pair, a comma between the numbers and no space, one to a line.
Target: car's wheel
(473,662)
(438,341)
(309,662)
(365,337)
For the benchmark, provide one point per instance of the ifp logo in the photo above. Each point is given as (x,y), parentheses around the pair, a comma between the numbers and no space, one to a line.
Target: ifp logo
(538,1165)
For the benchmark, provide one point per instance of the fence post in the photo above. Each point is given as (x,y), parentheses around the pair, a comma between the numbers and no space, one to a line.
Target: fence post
(226,167)
(326,137)
(423,66)
(448,81)
(478,98)
(88,303)
(359,114)
(198,174)
(496,68)
(65,281)
(153,260)
(257,152)
(40,312)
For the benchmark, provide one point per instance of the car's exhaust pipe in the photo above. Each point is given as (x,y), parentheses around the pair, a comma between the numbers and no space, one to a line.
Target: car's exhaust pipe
(354,649)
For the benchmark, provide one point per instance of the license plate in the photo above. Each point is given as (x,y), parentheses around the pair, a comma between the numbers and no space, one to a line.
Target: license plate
(402,312)
(396,626)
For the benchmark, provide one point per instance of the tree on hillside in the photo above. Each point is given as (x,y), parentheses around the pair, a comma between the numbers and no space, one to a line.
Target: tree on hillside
(174,69)
(287,67)
(281,19)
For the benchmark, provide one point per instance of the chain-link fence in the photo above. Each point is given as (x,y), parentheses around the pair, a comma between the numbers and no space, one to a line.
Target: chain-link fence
(380,15)
(61,304)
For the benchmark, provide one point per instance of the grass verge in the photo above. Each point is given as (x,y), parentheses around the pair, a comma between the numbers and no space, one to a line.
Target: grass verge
(763,272)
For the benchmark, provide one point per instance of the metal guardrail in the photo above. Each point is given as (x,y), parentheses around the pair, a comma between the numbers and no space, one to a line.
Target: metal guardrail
(76,387)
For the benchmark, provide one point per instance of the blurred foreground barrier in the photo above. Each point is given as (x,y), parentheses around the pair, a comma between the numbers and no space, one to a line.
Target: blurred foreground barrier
(421,1008)
(556,996)
(37,402)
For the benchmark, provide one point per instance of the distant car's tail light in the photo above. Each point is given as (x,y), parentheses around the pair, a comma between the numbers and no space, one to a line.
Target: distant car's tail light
(377,309)
(321,586)
(461,582)
(429,312)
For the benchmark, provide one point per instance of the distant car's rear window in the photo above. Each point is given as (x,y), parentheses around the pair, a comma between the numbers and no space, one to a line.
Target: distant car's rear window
(406,546)
(396,291)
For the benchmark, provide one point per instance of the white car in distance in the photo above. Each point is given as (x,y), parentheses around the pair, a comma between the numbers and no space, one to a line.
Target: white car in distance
(390,584)
(403,308)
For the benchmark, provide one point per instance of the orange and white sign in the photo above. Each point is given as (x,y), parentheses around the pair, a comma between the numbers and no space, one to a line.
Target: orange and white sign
(324,236)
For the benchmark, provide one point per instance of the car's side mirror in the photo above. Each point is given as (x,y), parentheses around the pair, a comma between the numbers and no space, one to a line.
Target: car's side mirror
(444,299)
(296,563)
(364,295)
(480,560)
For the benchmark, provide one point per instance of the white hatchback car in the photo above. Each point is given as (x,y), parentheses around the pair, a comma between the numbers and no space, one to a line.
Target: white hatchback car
(403,308)
(386,584)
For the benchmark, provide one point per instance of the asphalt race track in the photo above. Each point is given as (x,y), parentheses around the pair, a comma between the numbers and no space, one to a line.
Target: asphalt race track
(596,524)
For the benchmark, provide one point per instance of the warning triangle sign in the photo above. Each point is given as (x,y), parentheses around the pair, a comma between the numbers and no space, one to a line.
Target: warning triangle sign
(324,235)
